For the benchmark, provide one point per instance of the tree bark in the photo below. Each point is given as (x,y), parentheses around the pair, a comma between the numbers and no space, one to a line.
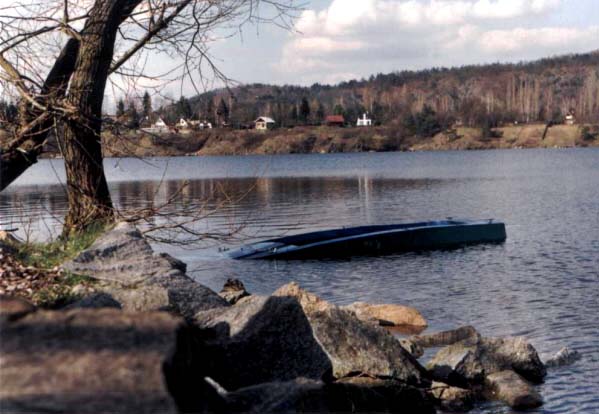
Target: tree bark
(88,194)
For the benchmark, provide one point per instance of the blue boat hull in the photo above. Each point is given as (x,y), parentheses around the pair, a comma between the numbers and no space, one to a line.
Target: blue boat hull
(376,240)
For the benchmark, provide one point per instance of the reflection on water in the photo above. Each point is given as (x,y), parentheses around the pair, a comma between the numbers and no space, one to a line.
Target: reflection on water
(542,283)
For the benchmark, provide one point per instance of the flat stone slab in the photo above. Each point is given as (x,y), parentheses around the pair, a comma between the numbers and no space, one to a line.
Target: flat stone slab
(88,361)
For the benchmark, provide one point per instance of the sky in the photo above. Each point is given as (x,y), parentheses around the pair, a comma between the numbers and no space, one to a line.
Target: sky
(336,40)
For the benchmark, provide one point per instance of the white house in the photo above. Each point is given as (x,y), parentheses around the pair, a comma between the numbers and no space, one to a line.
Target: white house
(158,127)
(182,124)
(570,119)
(263,123)
(364,121)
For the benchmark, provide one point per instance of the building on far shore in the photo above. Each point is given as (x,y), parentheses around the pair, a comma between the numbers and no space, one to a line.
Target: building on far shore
(570,118)
(183,124)
(335,120)
(364,121)
(158,127)
(263,123)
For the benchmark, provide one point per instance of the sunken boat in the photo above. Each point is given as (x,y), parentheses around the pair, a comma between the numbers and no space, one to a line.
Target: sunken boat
(376,240)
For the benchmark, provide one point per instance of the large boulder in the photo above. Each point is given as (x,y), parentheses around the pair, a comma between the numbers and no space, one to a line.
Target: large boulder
(100,361)
(296,334)
(352,345)
(469,361)
(388,314)
(509,387)
(517,354)
(140,279)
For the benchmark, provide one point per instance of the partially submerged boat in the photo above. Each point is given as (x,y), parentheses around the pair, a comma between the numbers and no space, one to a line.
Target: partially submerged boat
(376,240)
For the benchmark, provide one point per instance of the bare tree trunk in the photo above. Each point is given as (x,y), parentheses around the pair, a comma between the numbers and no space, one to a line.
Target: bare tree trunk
(88,195)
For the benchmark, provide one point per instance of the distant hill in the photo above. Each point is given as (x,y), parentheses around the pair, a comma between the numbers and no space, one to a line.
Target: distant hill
(542,90)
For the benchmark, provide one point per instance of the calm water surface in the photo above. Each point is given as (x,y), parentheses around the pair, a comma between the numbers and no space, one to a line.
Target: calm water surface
(543,283)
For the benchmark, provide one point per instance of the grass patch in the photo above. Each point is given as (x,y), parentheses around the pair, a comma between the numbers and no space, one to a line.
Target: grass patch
(52,254)
(60,293)
(32,272)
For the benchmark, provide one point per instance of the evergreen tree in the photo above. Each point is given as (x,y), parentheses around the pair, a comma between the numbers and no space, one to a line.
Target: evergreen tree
(293,116)
(210,110)
(132,115)
(120,108)
(304,111)
(222,111)
(378,113)
(183,108)
(320,113)
(338,110)
(147,105)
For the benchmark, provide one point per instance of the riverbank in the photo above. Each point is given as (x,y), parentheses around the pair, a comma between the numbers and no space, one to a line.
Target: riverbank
(307,140)
(148,338)
(325,140)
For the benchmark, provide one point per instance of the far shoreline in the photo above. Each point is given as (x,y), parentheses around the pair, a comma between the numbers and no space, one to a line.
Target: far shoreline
(327,140)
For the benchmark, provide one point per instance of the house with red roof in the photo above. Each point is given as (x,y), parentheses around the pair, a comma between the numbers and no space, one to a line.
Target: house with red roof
(335,120)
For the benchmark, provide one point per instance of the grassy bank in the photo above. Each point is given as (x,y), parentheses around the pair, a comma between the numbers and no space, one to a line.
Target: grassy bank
(31,270)
(305,140)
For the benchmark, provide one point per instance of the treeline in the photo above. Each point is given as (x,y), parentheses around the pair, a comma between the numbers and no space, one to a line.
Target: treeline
(483,96)
(8,113)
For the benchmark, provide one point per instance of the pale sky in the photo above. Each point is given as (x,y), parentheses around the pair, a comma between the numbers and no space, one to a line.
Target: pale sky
(343,39)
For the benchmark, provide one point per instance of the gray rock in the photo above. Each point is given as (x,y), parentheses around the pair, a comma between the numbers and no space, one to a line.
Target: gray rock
(308,396)
(296,334)
(233,291)
(509,387)
(100,361)
(498,354)
(262,339)
(452,399)
(140,279)
(457,365)
(446,337)
(469,361)
(563,357)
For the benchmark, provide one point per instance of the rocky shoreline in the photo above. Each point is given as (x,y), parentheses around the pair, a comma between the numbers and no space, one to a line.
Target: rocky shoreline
(147,338)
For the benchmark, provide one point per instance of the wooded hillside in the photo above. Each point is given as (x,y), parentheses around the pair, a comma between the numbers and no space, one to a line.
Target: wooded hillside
(543,90)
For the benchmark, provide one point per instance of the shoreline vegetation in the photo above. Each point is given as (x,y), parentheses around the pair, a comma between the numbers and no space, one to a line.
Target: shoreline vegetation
(170,344)
(325,140)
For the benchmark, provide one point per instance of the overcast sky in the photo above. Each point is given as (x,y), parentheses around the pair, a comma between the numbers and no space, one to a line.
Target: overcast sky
(343,39)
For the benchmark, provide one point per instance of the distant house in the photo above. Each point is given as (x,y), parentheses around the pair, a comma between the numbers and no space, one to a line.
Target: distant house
(263,123)
(364,121)
(570,118)
(158,127)
(183,124)
(335,120)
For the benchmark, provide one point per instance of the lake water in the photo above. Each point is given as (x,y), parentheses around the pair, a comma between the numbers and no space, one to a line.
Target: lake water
(542,283)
